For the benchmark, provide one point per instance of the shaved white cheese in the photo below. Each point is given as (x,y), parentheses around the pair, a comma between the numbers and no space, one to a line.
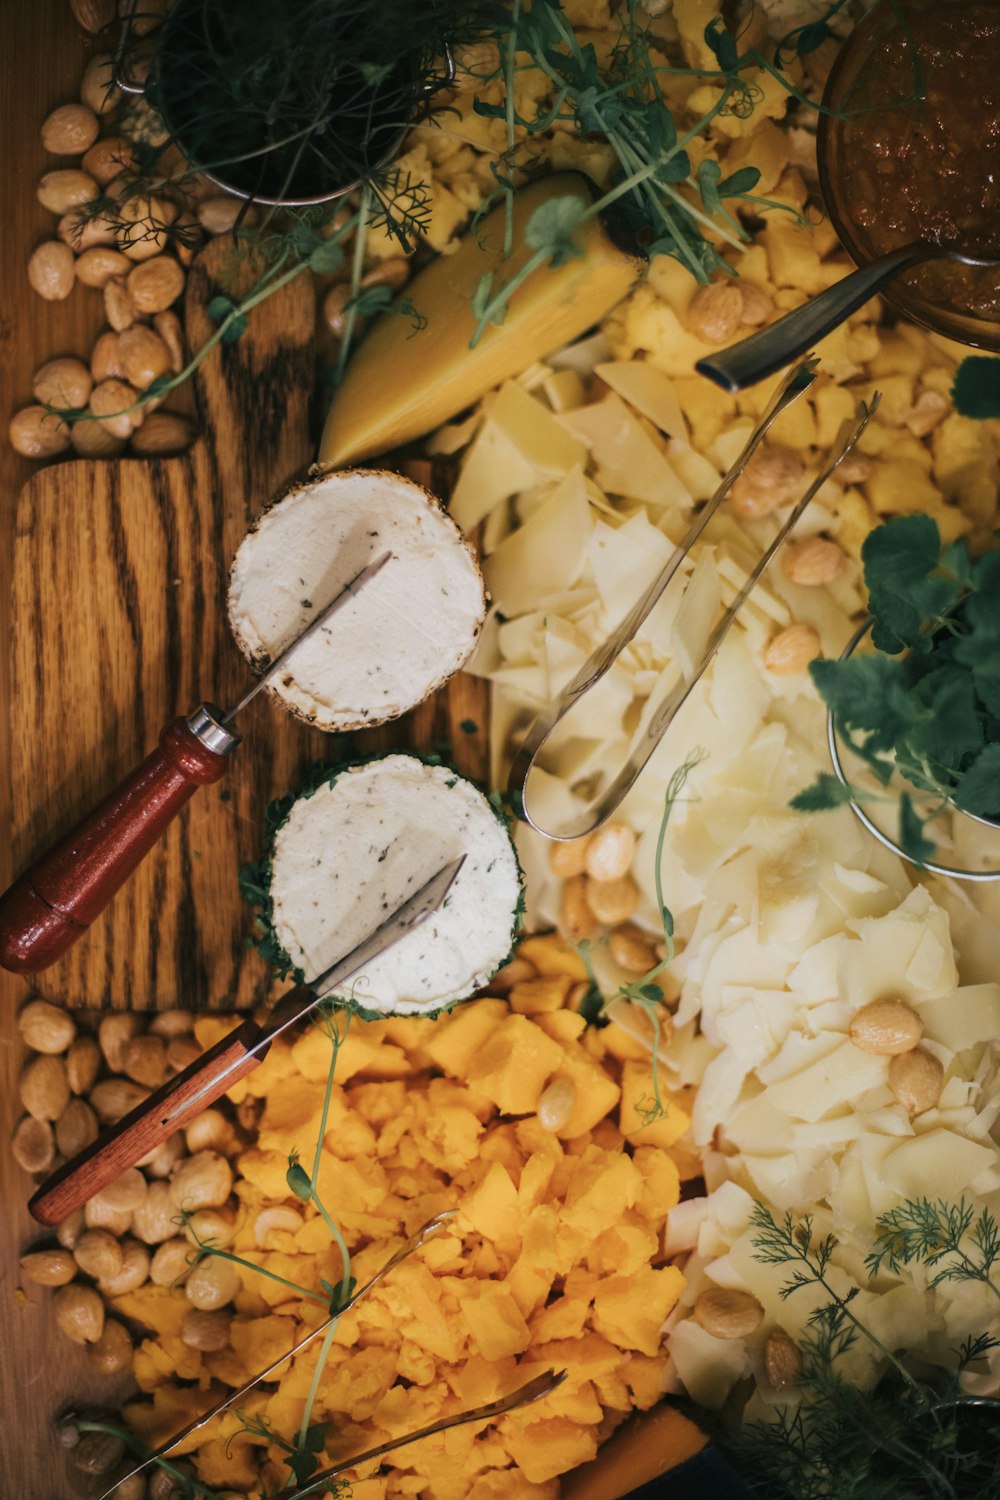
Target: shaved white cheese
(547,553)
(648,391)
(403,634)
(964,1017)
(350,853)
(629,461)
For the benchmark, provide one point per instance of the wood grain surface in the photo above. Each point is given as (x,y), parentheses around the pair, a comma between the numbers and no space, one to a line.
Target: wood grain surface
(110,641)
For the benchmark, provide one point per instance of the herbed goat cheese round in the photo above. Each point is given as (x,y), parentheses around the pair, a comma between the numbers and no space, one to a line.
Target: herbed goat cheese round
(405,632)
(350,852)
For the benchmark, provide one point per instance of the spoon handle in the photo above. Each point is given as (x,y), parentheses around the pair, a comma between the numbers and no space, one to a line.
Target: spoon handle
(760,355)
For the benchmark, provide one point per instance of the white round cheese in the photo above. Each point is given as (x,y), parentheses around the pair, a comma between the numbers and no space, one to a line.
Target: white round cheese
(401,636)
(350,853)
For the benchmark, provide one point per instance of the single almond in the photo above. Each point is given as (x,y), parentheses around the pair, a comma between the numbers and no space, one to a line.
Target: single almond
(728,1314)
(886,1028)
(782,1360)
(813,562)
(791,650)
(916,1078)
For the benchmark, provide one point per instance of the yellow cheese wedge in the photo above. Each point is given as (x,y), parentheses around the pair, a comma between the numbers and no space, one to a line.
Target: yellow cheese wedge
(401,384)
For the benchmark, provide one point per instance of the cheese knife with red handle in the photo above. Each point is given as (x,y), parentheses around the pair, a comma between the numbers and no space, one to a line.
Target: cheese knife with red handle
(210,1076)
(53,903)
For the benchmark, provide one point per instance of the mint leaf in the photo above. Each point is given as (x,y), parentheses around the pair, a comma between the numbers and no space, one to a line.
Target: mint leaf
(825,793)
(976,391)
(906,587)
(552,225)
(979,789)
(911,833)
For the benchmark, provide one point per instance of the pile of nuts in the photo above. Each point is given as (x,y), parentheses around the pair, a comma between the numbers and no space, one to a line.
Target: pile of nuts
(86,1071)
(891,1028)
(599,891)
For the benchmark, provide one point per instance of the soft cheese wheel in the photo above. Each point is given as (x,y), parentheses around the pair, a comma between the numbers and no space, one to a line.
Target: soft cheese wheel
(351,851)
(407,630)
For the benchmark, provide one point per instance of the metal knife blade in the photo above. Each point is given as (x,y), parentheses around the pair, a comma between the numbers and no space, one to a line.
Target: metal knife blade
(305,997)
(337,602)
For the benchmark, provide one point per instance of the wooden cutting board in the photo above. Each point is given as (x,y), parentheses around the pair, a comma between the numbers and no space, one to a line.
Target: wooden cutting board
(119,625)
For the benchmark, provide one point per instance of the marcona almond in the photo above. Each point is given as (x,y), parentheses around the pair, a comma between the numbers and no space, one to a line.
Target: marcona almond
(79,1312)
(51,270)
(134,1271)
(93,15)
(91,440)
(168,326)
(98,1254)
(218,215)
(212,1284)
(792,649)
(45,1087)
(33,1146)
(69,1230)
(76,1127)
(83,1063)
(112,1351)
(930,408)
(204,1180)
(335,307)
(576,920)
(37,433)
(80,230)
(143,228)
(393,273)
(916,1079)
(95,267)
(96,1215)
(886,1027)
(110,158)
(187,238)
(758,305)
(45,1027)
(65,188)
(114,1097)
(568,857)
(145,1056)
(611,901)
(63,383)
(772,477)
(119,309)
(170,1023)
(813,562)
(49,1267)
(782,1360)
(556,1104)
(172,1261)
(96,1454)
(126,1193)
(97,87)
(155,284)
(209,1131)
(715,312)
(210,1226)
(165,432)
(155,1220)
(106,358)
(182,1051)
(284,1219)
(112,402)
(728,1314)
(208,1331)
(610,852)
(631,949)
(160,1162)
(69,130)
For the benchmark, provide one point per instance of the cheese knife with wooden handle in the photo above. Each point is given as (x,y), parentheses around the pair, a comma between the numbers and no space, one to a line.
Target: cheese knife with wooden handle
(211,1075)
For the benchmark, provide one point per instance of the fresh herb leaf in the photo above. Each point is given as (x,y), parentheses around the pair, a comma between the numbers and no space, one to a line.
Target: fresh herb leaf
(911,832)
(552,225)
(825,793)
(326,257)
(976,390)
(905,585)
(979,789)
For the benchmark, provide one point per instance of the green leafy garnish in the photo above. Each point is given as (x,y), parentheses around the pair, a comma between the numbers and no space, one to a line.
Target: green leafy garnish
(926,702)
(976,391)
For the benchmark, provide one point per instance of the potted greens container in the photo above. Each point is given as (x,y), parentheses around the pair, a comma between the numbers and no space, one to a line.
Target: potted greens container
(921,712)
(293,105)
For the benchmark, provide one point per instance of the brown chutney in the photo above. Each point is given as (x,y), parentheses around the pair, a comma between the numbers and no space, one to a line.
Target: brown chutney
(917,149)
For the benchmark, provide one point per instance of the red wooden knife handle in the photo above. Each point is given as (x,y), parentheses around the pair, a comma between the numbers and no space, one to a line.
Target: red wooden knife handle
(44,912)
(149,1124)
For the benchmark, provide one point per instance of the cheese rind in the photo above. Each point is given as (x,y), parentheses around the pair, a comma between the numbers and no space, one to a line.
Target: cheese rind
(350,852)
(404,381)
(404,633)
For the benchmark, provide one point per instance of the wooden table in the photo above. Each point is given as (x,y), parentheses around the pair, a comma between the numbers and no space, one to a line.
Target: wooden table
(42,55)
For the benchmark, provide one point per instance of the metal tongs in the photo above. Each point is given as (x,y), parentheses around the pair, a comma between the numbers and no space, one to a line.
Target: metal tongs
(796,382)
(531,1391)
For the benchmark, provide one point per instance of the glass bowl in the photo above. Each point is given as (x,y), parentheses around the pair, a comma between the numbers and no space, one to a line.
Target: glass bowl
(862,84)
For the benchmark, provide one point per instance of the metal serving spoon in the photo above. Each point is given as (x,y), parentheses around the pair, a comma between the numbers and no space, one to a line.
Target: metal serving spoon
(760,355)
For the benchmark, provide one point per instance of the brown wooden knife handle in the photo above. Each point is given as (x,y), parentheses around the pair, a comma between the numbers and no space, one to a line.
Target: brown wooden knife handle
(150,1123)
(53,903)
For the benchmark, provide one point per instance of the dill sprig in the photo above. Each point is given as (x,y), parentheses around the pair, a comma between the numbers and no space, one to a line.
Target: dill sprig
(910,1437)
